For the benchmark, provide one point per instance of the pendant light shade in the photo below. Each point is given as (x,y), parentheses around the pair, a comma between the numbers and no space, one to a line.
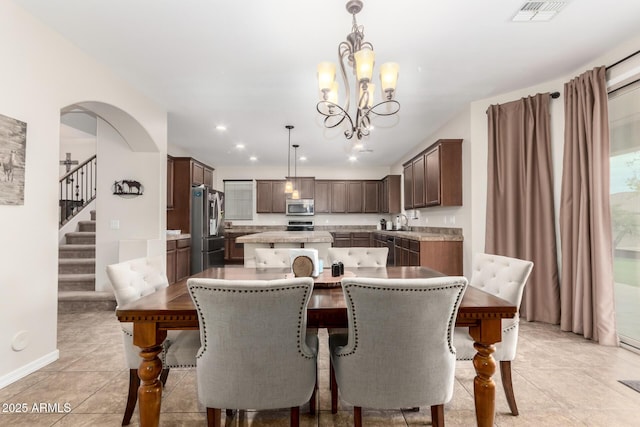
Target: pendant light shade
(288,186)
(296,194)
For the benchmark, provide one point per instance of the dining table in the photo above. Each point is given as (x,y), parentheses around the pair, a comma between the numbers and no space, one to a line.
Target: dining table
(171,308)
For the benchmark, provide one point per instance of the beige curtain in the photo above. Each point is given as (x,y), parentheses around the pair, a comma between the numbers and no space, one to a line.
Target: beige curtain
(585,220)
(520,213)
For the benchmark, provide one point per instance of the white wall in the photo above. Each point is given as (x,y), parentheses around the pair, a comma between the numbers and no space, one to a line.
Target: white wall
(41,73)
(129,214)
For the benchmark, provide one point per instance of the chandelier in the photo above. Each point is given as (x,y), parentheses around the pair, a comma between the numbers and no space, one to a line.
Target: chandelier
(361,58)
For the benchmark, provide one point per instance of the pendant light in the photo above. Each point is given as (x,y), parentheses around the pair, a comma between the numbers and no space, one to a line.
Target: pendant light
(288,186)
(296,194)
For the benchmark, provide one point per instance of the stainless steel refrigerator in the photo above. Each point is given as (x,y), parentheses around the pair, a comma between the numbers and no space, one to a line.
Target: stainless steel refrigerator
(207,228)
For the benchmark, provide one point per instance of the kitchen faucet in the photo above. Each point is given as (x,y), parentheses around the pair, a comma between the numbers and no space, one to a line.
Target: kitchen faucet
(404,226)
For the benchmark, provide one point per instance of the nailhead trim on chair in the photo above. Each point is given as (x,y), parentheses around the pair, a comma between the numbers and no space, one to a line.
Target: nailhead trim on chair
(203,348)
(355,322)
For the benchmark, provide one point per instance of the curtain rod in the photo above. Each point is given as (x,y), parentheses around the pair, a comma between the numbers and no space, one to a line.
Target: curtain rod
(623,59)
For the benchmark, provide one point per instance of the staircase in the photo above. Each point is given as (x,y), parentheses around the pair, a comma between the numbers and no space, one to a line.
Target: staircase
(76,272)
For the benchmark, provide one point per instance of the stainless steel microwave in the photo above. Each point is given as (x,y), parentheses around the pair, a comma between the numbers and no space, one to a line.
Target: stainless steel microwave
(299,207)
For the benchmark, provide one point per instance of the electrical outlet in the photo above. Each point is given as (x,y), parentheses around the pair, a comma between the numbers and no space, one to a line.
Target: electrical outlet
(452,219)
(114,224)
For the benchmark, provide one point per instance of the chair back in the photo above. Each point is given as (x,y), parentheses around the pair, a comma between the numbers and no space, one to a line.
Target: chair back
(501,276)
(255,352)
(136,278)
(358,257)
(399,351)
(506,278)
(272,258)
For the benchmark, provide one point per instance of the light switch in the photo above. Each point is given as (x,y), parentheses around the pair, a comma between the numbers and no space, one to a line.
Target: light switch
(115,224)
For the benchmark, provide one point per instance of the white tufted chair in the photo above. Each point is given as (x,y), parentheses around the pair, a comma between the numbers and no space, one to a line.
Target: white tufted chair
(132,280)
(256,351)
(377,367)
(503,277)
(272,258)
(358,257)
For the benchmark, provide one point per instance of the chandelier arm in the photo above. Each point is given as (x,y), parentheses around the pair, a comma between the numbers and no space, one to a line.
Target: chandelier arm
(342,113)
(392,101)
(344,49)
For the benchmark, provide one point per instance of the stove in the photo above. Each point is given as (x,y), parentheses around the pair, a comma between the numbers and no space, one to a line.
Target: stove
(300,225)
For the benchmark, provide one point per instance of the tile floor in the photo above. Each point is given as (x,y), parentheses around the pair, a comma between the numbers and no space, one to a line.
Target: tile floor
(560,379)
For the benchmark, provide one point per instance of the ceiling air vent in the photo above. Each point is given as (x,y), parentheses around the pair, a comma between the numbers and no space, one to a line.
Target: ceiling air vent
(538,11)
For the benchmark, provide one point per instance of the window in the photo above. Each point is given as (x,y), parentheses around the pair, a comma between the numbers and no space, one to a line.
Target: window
(624,124)
(238,199)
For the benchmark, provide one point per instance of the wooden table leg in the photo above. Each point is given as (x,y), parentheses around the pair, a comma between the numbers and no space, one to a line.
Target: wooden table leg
(484,389)
(149,339)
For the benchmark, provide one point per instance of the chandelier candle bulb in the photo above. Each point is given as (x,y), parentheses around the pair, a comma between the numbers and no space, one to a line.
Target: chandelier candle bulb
(326,76)
(365,60)
(389,78)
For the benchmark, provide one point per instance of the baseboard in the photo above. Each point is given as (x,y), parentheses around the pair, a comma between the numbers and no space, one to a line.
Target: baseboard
(29,368)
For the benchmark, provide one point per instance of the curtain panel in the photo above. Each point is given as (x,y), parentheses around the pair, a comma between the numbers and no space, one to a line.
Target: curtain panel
(520,207)
(585,220)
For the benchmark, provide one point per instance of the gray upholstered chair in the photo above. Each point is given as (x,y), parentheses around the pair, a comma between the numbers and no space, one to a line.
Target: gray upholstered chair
(504,277)
(399,351)
(358,257)
(134,279)
(272,258)
(256,351)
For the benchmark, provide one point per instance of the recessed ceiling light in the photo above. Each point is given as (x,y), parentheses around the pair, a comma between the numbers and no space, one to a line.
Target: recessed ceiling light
(352,158)
(302,158)
(221,127)
(240,146)
(358,146)
(253,158)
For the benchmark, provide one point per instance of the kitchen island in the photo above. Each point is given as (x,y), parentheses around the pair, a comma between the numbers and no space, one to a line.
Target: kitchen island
(320,240)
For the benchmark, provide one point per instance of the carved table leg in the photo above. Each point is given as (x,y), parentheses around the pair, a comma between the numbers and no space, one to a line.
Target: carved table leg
(149,339)
(484,389)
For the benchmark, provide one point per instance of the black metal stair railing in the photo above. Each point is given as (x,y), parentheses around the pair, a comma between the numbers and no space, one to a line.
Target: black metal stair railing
(77,189)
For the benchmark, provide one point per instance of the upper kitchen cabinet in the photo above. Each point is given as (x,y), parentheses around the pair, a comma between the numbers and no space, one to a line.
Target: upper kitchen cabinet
(434,177)
(182,174)
(338,196)
(305,186)
(169,182)
(372,194)
(322,196)
(355,196)
(390,194)
(270,196)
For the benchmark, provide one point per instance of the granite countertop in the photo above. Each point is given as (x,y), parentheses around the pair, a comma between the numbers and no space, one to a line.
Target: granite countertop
(287,237)
(178,236)
(423,236)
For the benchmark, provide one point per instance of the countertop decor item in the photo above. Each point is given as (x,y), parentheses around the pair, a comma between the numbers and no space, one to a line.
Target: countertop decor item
(302,266)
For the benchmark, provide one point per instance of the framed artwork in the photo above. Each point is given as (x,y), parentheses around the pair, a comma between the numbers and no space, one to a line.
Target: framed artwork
(13,143)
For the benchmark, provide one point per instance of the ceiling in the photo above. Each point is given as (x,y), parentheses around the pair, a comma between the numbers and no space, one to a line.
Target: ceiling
(251,65)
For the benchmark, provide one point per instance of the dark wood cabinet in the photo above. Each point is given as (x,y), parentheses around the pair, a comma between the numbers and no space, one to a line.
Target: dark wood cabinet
(355,197)
(444,173)
(443,256)
(341,240)
(197,174)
(419,182)
(233,251)
(408,185)
(178,259)
(434,177)
(390,194)
(306,187)
(338,196)
(208,177)
(187,172)
(270,196)
(346,239)
(372,195)
(322,196)
(169,182)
